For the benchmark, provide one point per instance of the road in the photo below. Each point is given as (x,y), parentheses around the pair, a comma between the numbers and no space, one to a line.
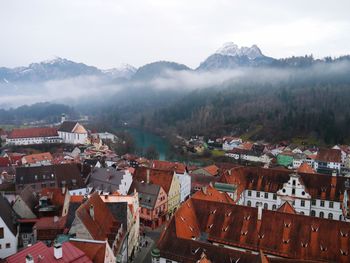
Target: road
(151,236)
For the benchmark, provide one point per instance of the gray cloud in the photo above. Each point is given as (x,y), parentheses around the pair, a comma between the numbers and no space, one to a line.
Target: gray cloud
(107,33)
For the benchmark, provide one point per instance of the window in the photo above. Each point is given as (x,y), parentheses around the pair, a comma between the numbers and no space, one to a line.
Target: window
(294,182)
(331,204)
(322,203)
(249,203)
(168,261)
(33,186)
(43,185)
(273,207)
(8,245)
(257,194)
(340,217)
(257,204)
(274,197)
(266,195)
(302,193)
(330,216)
(321,215)
(293,191)
(266,206)
(302,203)
(1,232)
(249,193)
(313,202)
(283,190)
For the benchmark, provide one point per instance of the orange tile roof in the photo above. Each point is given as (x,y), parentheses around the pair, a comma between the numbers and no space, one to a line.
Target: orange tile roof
(93,250)
(162,178)
(76,198)
(103,226)
(38,157)
(329,155)
(280,234)
(305,168)
(170,166)
(33,132)
(209,193)
(55,222)
(54,194)
(287,208)
(272,180)
(212,169)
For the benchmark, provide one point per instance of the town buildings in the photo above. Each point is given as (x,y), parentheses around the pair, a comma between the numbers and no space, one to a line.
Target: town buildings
(317,195)
(8,229)
(72,132)
(36,135)
(233,233)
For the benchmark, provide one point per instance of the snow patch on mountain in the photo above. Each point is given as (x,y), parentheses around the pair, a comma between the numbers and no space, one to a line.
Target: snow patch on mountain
(231,49)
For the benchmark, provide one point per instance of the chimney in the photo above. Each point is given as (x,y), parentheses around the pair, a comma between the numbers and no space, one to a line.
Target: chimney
(333,183)
(29,259)
(148,172)
(57,250)
(92,212)
(55,219)
(260,209)
(204,189)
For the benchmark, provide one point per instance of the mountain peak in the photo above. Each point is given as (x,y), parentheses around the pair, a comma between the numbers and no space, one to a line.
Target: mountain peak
(231,49)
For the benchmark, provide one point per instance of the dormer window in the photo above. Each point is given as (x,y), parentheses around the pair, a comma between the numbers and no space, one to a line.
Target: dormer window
(314,229)
(304,244)
(261,236)
(287,225)
(323,249)
(210,226)
(225,229)
(286,241)
(343,234)
(213,212)
(244,233)
(343,252)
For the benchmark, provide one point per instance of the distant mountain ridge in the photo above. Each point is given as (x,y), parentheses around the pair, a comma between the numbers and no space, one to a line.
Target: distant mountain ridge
(229,56)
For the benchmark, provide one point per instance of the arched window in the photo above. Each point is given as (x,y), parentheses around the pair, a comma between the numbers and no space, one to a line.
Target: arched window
(273,207)
(266,206)
(330,216)
(301,212)
(257,204)
(340,217)
(321,215)
(313,213)
(249,203)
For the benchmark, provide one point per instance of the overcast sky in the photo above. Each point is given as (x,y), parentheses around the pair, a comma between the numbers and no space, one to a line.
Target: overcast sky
(106,33)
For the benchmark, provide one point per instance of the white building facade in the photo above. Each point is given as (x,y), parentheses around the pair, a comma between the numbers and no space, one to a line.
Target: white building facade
(294,192)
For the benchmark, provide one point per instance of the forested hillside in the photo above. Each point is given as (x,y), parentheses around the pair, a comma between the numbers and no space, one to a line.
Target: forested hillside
(312,102)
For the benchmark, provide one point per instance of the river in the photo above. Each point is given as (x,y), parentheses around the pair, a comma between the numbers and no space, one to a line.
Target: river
(144,139)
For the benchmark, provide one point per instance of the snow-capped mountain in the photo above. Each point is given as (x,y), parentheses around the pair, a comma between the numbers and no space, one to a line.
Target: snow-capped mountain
(125,71)
(231,49)
(231,55)
(58,68)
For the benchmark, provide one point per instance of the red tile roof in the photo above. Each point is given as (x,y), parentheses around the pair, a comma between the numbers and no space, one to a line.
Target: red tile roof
(287,208)
(33,132)
(319,186)
(179,168)
(55,195)
(329,155)
(305,168)
(103,226)
(93,250)
(209,193)
(38,157)
(4,162)
(70,254)
(284,235)
(212,169)
(162,178)
(55,222)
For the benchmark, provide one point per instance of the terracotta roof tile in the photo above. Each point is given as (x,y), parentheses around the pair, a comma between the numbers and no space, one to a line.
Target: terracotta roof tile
(169,166)
(38,157)
(287,208)
(329,155)
(209,193)
(93,250)
(33,132)
(103,224)
(212,169)
(305,168)
(162,178)
(71,254)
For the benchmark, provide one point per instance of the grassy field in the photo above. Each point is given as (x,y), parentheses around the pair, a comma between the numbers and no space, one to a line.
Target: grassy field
(217,153)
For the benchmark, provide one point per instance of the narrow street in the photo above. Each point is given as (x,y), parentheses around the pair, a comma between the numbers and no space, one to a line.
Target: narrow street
(151,238)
